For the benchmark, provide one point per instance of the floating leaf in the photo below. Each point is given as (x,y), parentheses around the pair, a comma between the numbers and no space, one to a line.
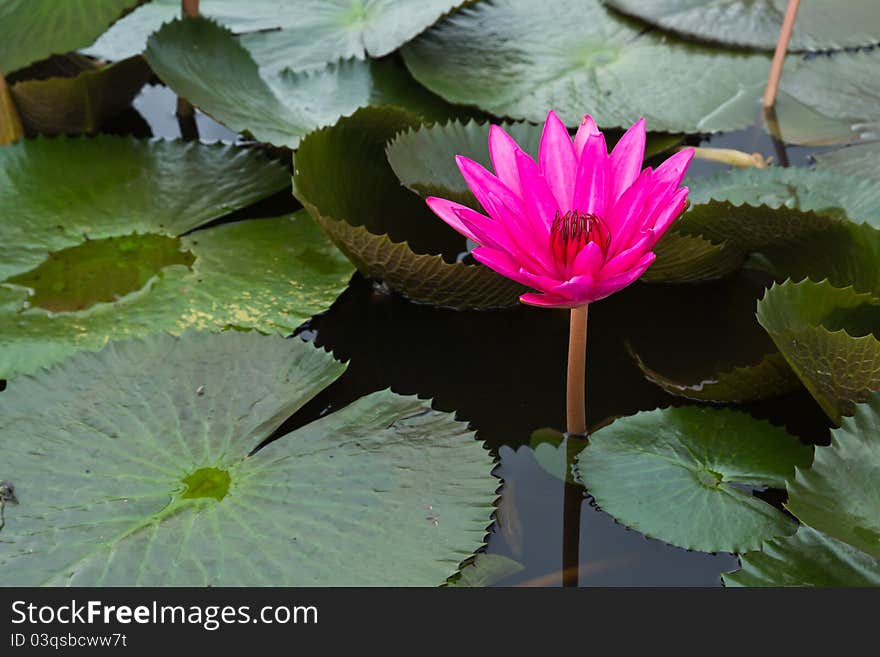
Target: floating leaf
(861,160)
(684,475)
(824,332)
(497,56)
(751,24)
(486,570)
(62,105)
(97,244)
(386,231)
(837,499)
(305,34)
(796,188)
(808,558)
(157,483)
(770,377)
(839,495)
(34,29)
(202,61)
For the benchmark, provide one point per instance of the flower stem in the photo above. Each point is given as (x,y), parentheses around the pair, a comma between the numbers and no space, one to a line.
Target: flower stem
(576,407)
(10,121)
(791,10)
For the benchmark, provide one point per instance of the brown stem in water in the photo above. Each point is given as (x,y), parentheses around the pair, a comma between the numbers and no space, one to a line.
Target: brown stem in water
(576,406)
(779,56)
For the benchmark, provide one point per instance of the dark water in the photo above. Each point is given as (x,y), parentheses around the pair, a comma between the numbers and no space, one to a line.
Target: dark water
(503,372)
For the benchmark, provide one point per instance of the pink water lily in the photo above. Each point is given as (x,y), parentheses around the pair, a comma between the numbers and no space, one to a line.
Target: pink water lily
(577,225)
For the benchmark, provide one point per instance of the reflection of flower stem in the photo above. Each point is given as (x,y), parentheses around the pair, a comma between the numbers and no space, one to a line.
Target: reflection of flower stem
(779,56)
(576,421)
(186,114)
(576,409)
(772,124)
(10,122)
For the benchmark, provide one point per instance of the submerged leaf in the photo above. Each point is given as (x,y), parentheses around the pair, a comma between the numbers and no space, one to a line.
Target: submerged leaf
(385,230)
(159,485)
(824,332)
(685,476)
(98,245)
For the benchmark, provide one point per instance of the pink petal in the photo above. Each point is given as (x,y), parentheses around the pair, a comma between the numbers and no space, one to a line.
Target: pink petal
(589,260)
(586,129)
(527,231)
(446,210)
(537,196)
(627,259)
(669,214)
(482,183)
(673,170)
(626,159)
(495,233)
(615,283)
(509,267)
(590,190)
(626,216)
(558,161)
(501,149)
(546,301)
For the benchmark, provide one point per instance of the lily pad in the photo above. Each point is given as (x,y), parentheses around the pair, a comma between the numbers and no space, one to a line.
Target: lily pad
(691,258)
(203,62)
(861,160)
(486,570)
(770,377)
(839,495)
(756,24)
(159,484)
(796,188)
(386,231)
(98,244)
(824,332)
(305,34)
(837,499)
(72,105)
(34,29)
(685,475)
(808,558)
(497,56)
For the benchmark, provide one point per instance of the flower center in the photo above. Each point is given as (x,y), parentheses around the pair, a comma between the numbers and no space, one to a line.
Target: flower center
(572,231)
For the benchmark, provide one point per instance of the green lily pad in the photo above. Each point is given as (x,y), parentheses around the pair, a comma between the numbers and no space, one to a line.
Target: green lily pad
(486,570)
(808,558)
(387,232)
(837,499)
(35,29)
(202,61)
(158,483)
(796,188)
(498,57)
(768,378)
(824,332)
(839,494)
(98,245)
(72,105)
(305,34)
(682,475)
(751,24)
(861,160)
